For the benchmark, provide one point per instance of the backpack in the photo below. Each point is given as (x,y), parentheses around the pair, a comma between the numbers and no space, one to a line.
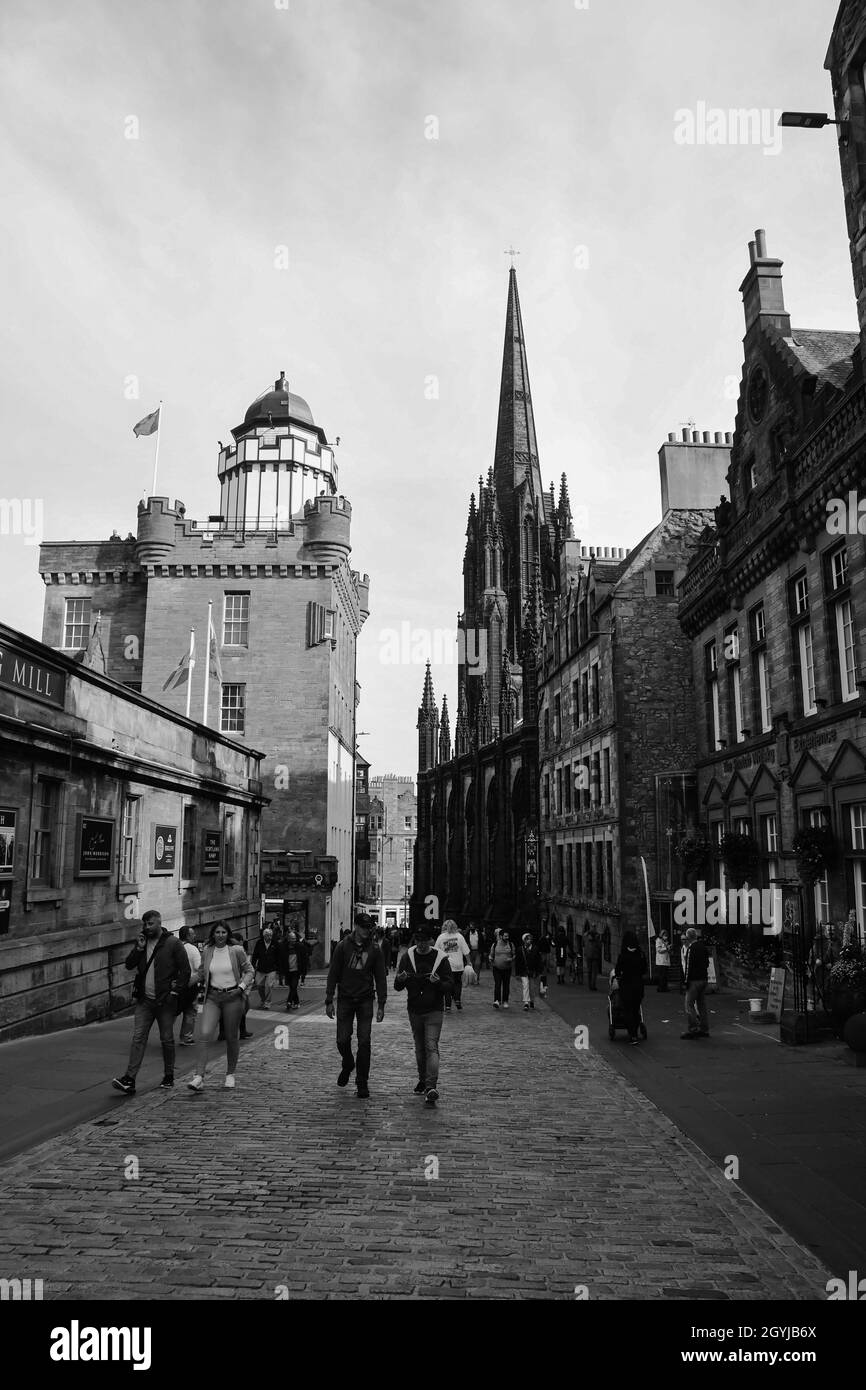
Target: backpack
(440,956)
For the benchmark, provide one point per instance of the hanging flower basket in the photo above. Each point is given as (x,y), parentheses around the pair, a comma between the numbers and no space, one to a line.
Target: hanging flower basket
(693,852)
(741,856)
(845,992)
(815,851)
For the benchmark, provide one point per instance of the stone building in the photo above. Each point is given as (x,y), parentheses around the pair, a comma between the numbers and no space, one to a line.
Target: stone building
(617,742)
(774,605)
(478,800)
(393,831)
(110,804)
(287,611)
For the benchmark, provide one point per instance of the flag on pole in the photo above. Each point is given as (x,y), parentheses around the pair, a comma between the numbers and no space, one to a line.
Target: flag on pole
(149,425)
(181,672)
(216,669)
(650,929)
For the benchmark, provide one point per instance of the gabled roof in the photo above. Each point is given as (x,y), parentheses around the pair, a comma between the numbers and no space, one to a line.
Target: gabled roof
(823,353)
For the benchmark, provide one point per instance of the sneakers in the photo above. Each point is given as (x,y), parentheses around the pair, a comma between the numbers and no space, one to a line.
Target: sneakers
(420,1089)
(166,1083)
(633,1042)
(124,1083)
(186,1042)
(532,1005)
(197,1083)
(496,1003)
(346,1072)
(432,1096)
(505,1006)
(229,1081)
(526,1008)
(363,1091)
(458,1004)
(246,1034)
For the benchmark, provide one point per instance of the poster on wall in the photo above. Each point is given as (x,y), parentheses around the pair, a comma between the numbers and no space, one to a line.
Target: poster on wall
(94,846)
(211,851)
(8,821)
(163,849)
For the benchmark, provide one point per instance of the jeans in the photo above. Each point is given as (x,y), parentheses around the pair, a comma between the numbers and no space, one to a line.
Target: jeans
(264,984)
(696,1007)
(348,1010)
(501,984)
(662,978)
(148,1012)
(187,1019)
(476,959)
(527,982)
(457,979)
(426,1029)
(228,1010)
(292,982)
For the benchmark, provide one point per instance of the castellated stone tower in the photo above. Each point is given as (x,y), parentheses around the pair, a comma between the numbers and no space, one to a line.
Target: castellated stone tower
(287,610)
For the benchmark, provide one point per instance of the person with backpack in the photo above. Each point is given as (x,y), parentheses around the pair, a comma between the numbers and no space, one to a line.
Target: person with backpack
(425,973)
(502,962)
(162,974)
(265,965)
(527,967)
(452,941)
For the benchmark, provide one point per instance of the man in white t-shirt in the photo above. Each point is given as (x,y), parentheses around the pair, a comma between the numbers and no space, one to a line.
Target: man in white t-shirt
(452,941)
(186,1006)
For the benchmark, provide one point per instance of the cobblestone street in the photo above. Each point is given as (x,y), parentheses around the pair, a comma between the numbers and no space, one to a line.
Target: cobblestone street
(542,1173)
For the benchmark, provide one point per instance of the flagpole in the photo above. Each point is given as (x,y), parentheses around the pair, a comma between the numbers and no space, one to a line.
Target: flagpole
(191,665)
(156,455)
(207,658)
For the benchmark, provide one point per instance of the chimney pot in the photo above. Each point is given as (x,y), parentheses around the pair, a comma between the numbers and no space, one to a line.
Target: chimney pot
(761,239)
(685,436)
(729,439)
(706,436)
(753,252)
(696,436)
(718,436)
(671,438)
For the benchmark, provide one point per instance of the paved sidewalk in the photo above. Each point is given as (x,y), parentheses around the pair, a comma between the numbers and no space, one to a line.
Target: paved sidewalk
(541,1172)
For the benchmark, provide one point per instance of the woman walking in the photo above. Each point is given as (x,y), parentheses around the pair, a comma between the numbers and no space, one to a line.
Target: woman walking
(630,969)
(663,962)
(225,979)
(502,961)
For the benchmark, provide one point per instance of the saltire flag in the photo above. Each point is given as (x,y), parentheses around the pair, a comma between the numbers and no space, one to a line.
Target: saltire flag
(216,669)
(149,425)
(180,674)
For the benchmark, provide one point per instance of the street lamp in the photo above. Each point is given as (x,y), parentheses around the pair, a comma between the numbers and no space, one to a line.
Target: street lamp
(813,120)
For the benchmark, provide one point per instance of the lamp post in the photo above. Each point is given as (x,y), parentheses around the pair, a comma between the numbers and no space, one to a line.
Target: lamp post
(815,120)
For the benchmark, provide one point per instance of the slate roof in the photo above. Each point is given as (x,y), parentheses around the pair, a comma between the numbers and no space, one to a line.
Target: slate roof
(823,353)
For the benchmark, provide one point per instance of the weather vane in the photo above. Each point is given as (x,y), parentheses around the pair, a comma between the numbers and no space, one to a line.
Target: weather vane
(512,253)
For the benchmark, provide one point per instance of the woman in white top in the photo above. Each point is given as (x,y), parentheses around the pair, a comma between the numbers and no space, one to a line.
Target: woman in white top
(663,962)
(225,977)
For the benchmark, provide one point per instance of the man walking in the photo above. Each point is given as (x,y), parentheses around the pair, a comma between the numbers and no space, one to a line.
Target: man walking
(264,963)
(357,968)
(476,949)
(426,976)
(162,967)
(454,944)
(527,966)
(591,956)
(697,969)
(186,999)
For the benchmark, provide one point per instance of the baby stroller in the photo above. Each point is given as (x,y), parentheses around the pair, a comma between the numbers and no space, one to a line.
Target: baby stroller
(615,1016)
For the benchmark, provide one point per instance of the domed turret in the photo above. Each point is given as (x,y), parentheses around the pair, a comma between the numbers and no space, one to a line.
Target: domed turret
(278,404)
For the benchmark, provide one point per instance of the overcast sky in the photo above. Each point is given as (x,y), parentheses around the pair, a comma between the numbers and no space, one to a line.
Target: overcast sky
(307,126)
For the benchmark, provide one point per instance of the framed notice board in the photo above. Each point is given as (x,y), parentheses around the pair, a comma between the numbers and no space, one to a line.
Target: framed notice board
(94,846)
(163,849)
(211,851)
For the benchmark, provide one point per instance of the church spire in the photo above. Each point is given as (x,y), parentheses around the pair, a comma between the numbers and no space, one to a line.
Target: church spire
(516,446)
(445,733)
(428,726)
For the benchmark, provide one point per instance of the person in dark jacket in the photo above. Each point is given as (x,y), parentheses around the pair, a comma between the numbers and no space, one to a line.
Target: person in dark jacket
(527,967)
(427,977)
(290,964)
(304,953)
(560,953)
(357,968)
(162,974)
(265,965)
(592,956)
(629,970)
(696,973)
